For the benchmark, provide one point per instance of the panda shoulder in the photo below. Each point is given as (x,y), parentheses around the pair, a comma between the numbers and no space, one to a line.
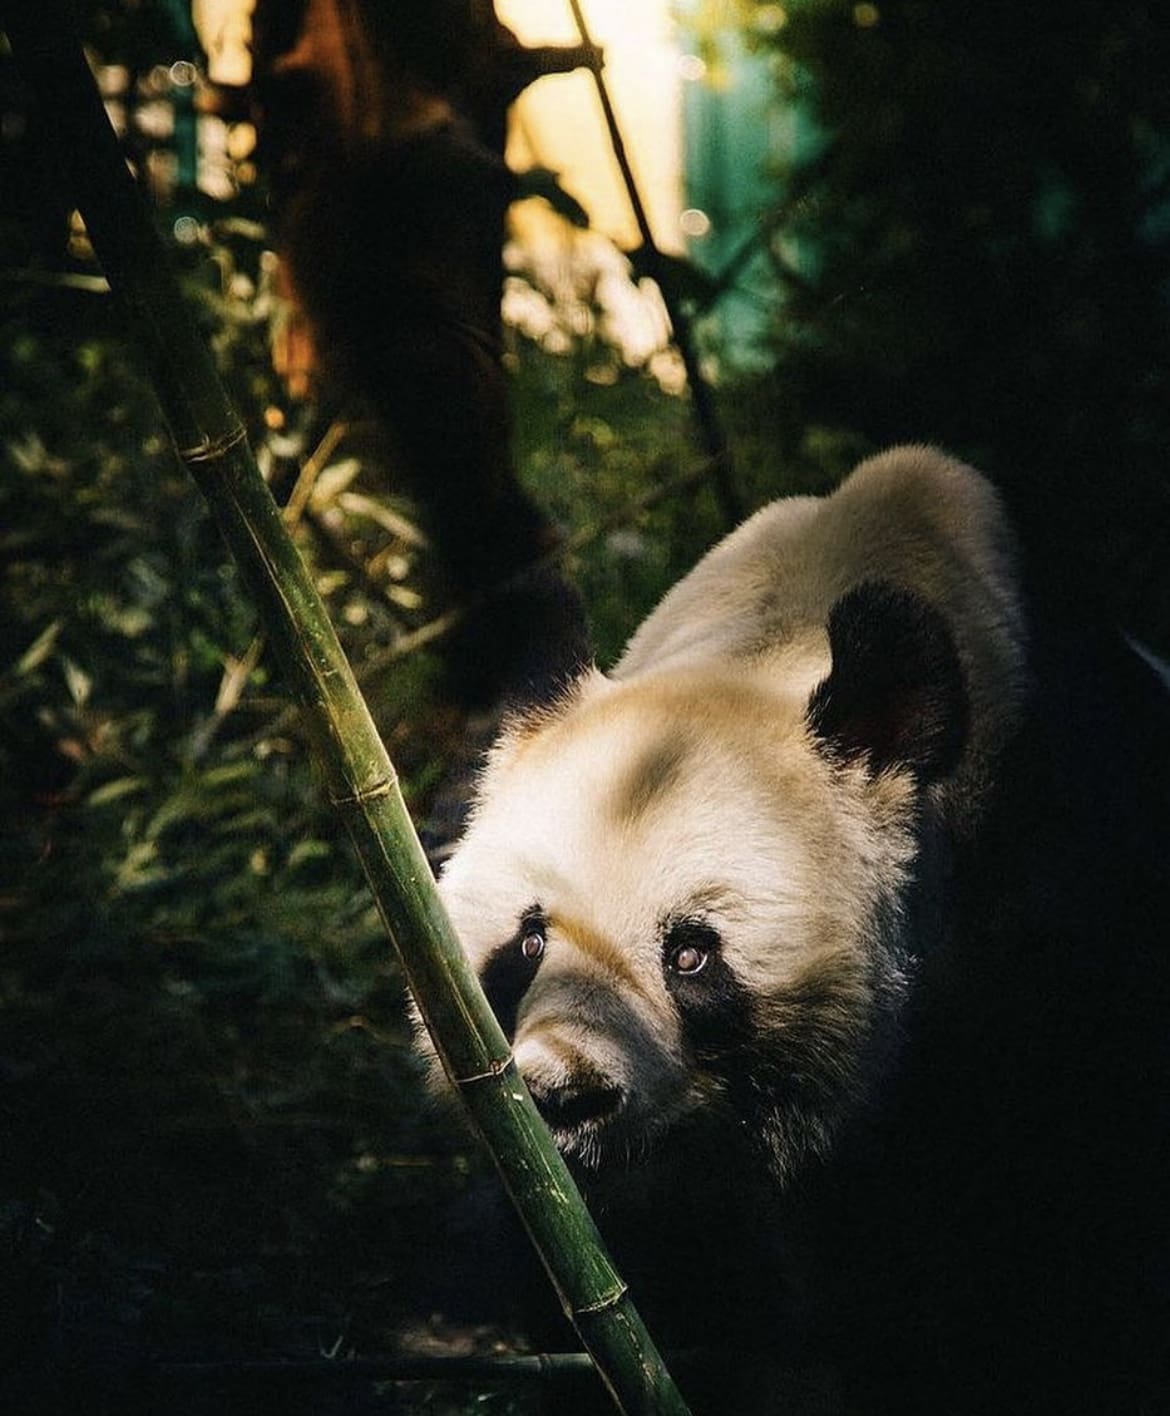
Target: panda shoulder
(713,612)
(920,491)
(911,516)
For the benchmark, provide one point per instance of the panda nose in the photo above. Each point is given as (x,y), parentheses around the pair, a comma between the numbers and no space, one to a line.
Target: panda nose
(565,1107)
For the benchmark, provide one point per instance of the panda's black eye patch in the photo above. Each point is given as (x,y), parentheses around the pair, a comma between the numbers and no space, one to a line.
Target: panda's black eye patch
(714,1007)
(510,969)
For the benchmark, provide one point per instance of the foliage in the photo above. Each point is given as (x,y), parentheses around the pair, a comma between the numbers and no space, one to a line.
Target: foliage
(218,1140)
(590,451)
(979,257)
(204,1042)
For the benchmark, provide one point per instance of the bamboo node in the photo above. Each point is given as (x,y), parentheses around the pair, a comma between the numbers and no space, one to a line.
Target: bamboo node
(608,1300)
(380,789)
(211,449)
(496,1068)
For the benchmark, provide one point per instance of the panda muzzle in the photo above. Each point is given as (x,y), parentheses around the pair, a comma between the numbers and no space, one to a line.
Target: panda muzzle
(574,1104)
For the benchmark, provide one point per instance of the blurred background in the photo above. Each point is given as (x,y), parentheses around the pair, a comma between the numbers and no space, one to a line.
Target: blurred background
(405,233)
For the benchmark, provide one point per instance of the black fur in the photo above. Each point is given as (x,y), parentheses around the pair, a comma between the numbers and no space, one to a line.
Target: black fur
(508,973)
(996,1240)
(895,695)
(714,1008)
(531,639)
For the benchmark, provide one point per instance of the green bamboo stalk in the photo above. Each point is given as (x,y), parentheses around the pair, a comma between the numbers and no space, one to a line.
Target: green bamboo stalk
(546,1368)
(213,444)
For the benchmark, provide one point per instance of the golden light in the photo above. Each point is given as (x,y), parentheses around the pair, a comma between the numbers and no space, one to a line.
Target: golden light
(557,122)
(225,31)
(770,19)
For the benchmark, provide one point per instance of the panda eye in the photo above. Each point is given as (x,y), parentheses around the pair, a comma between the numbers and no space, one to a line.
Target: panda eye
(688,958)
(532,943)
(688,948)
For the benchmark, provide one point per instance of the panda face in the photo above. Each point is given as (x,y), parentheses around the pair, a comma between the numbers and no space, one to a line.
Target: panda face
(671,896)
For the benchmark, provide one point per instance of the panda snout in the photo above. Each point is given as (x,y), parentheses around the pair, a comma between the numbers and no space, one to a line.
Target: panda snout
(598,1073)
(575,1092)
(575,1103)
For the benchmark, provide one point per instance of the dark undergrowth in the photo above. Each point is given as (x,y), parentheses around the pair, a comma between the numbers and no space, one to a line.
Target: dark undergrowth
(218,1147)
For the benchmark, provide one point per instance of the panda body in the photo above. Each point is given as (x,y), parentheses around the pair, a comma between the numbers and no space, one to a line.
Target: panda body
(771,919)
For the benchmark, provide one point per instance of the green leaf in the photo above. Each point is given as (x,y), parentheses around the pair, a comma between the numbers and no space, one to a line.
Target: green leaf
(77,681)
(113,791)
(334,480)
(40,649)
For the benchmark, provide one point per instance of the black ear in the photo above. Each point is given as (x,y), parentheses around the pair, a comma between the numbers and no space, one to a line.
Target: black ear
(541,640)
(895,695)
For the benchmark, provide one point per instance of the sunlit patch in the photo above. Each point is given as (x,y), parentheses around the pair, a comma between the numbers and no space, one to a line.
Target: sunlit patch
(770,19)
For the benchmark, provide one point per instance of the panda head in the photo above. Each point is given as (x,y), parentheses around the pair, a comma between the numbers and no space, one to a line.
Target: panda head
(681,890)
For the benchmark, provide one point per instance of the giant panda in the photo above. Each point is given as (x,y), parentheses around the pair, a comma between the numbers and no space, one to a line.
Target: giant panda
(829,931)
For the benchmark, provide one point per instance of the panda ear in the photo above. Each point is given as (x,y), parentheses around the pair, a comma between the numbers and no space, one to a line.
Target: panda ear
(550,645)
(895,696)
(519,648)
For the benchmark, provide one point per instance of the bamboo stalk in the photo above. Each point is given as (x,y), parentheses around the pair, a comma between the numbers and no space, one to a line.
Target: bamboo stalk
(212,443)
(237,671)
(548,1368)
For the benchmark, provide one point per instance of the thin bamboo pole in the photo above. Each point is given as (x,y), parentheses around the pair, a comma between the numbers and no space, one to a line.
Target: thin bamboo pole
(544,1368)
(702,398)
(362,785)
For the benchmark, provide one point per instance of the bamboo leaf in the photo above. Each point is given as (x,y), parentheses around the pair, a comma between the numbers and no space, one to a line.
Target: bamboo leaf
(39,650)
(77,681)
(116,790)
(332,481)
